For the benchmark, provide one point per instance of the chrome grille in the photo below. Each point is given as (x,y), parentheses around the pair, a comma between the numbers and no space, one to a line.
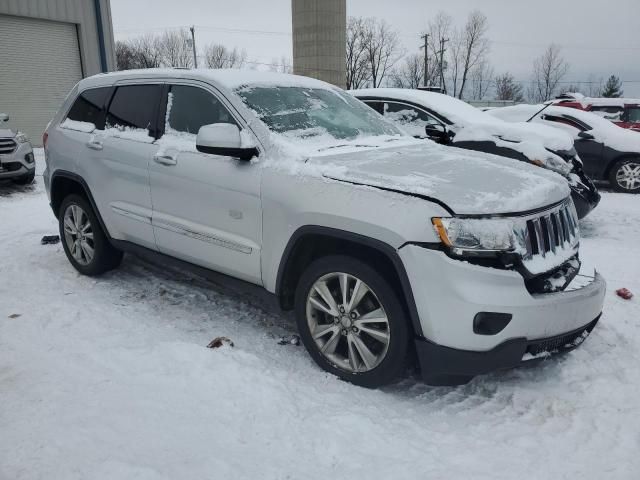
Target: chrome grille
(552,230)
(7,145)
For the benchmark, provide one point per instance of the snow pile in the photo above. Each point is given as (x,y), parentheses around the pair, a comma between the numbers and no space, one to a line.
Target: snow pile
(110,378)
(603,130)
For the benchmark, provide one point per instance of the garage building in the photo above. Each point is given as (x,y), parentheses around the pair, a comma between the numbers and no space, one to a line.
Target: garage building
(46,47)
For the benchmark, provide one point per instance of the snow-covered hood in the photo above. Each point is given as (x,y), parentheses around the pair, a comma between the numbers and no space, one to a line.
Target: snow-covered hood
(7,133)
(531,136)
(469,183)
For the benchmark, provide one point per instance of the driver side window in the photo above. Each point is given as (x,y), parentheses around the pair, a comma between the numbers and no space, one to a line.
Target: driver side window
(189,108)
(412,119)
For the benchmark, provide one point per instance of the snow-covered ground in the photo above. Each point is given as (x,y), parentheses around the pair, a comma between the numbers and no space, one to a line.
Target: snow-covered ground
(109,378)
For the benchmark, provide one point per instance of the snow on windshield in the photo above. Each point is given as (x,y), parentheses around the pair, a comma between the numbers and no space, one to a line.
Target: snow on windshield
(317,118)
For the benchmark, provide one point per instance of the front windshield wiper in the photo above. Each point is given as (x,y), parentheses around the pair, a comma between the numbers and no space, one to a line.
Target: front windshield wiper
(347,145)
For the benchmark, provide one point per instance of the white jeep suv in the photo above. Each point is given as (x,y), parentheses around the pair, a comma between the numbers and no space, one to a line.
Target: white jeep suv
(389,248)
(17,162)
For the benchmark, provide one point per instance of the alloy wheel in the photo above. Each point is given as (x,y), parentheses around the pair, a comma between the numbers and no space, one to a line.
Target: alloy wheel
(78,234)
(347,322)
(628,176)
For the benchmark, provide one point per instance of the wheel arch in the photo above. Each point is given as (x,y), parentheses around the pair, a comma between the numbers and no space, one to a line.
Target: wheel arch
(65,183)
(312,241)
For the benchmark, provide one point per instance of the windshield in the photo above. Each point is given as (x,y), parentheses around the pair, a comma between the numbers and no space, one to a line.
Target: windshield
(315,114)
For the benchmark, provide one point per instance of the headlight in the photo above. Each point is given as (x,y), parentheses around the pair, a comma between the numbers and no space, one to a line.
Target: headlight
(21,138)
(555,164)
(479,237)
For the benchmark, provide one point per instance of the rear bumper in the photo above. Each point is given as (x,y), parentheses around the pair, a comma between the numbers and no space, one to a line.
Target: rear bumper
(448,366)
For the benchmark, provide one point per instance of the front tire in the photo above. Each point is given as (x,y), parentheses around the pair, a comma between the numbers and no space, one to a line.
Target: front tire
(625,176)
(84,242)
(351,321)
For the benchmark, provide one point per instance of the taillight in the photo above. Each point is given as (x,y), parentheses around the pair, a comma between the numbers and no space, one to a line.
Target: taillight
(45,137)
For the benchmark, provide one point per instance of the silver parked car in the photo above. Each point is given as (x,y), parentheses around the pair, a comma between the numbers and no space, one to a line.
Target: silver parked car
(388,248)
(17,162)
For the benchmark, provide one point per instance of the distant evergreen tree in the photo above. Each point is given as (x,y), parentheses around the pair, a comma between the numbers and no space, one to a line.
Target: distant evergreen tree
(612,88)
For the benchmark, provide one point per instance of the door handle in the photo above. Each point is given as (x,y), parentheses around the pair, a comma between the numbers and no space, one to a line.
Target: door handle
(94,145)
(165,160)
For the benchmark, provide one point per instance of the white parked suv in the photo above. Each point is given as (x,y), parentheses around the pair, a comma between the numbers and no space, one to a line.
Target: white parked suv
(388,248)
(17,162)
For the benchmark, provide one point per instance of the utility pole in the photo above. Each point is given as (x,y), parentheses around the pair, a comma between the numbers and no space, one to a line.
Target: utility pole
(425,37)
(193,44)
(442,50)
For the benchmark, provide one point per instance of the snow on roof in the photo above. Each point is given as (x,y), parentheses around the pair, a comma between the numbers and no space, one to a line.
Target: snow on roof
(599,102)
(603,130)
(472,124)
(229,78)
(455,110)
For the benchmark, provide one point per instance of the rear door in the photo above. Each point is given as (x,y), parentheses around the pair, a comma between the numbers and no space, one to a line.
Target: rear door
(591,152)
(119,175)
(206,208)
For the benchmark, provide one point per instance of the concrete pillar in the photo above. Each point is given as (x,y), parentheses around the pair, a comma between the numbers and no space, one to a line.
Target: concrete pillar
(319,39)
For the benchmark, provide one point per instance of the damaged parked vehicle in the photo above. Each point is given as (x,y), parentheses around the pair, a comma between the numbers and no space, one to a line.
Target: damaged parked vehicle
(452,122)
(387,249)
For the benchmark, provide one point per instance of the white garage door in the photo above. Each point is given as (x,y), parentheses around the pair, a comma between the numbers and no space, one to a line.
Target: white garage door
(39,64)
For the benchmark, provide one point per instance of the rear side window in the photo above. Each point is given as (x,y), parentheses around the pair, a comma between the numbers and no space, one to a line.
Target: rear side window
(377,106)
(89,107)
(189,108)
(134,106)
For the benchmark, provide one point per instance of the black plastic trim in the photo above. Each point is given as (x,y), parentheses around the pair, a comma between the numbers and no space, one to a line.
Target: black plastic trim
(384,248)
(449,366)
(77,178)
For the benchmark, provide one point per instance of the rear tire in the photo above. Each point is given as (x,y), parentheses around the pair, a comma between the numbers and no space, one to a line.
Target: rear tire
(84,242)
(360,332)
(625,176)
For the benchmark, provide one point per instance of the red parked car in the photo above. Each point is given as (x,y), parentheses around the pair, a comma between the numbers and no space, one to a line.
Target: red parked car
(624,112)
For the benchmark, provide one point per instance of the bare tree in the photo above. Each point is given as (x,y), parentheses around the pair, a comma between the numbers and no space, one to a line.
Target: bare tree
(507,88)
(548,71)
(410,72)
(474,47)
(219,56)
(357,71)
(440,31)
(281,66)
(126,56)
(147,51)
(482,77)
(176,49)
(382,49)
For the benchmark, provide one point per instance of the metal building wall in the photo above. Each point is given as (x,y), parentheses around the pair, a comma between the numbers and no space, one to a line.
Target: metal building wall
(319,38)
(80,12)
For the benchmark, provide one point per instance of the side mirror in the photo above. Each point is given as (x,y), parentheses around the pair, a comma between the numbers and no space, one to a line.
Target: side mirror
(223,139)
(586,136)
(4,117)
(437,133)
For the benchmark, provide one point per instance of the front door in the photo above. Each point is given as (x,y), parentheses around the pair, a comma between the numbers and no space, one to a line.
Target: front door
(206,208)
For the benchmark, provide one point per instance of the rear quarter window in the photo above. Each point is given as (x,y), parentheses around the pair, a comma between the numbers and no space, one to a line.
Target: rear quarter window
(89,107)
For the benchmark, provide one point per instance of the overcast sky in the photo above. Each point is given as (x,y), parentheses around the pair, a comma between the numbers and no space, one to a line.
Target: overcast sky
(598,38)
